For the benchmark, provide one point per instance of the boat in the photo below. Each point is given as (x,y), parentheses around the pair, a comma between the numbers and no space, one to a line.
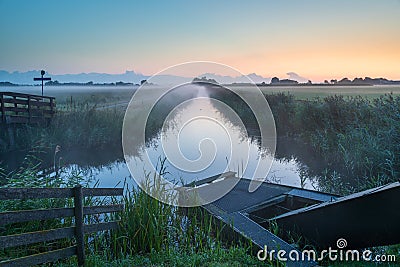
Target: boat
(365,219)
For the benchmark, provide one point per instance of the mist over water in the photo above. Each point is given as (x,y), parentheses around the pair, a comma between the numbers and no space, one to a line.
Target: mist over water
(207,143)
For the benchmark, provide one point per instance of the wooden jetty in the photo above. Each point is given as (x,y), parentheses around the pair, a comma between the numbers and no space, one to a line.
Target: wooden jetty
(18,108)
(364,219)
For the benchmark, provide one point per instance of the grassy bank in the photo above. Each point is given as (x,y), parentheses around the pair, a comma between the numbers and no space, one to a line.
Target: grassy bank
(360,138)
(150,233)
(84,126)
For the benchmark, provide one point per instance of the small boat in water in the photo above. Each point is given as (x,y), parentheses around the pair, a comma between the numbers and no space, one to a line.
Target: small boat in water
(365,219)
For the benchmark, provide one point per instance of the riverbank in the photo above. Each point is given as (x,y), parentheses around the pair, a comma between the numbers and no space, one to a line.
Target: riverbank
(356,137)
(150,233)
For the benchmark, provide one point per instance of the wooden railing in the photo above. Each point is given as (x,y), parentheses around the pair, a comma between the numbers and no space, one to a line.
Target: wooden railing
(25,108)
(78,231)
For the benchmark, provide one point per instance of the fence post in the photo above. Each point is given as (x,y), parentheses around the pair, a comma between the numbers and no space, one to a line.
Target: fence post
(51,106)
(29,108)
(79,231)
(15,104)
(3,111)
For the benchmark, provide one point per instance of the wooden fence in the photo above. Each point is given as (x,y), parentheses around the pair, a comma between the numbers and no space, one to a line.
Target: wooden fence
(78,231)
(25,108)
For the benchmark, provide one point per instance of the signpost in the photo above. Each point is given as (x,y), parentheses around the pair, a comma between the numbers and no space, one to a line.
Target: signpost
(42,72)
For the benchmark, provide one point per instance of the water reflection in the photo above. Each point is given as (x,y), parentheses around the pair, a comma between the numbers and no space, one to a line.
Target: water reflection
(201,137)
(215,134)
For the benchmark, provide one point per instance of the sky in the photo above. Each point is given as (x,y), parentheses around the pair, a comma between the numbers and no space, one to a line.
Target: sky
(314,38)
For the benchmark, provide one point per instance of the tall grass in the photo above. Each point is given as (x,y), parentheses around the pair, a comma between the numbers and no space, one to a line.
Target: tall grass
(149,224)
(357,138)
(149,229)
(83,126)
(86,127)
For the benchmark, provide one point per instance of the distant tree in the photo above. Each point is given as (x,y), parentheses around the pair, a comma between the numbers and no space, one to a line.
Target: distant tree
(326,82)
(344,81)
(204,80)
(358,81)
(274,80)
(143,82)
(288,81)
(333,81)
(54,83)
(309,82)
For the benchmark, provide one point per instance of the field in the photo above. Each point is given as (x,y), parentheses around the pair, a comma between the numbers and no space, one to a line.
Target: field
(310,92)
(107,94)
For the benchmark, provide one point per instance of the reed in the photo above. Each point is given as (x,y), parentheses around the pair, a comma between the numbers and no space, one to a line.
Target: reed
(151,233)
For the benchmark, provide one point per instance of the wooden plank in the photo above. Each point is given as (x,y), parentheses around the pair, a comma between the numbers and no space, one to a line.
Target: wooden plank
(52,106)
(79,230)
(29,109)
(258,235)
(37,98)
(103,191)
(16,119)
(32,215)
(24,95)
(102,209)
(35,102)
(15,106)
(22,119)
(211,179)
(41,111)
(10,241)
(3,113)
(42,79)
(46,214)
(15,101)
(92,228)
(25,119)
(15,109)
(28,193)
(41,258)
(40,104)
(267,203)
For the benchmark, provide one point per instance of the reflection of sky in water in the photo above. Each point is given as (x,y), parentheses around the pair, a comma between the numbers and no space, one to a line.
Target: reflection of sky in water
(207,143)
(213,141)
(113,175)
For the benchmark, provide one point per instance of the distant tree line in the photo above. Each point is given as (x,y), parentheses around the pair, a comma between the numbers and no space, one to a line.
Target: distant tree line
(7,84)
(344,81)
(361,81)
(91,83)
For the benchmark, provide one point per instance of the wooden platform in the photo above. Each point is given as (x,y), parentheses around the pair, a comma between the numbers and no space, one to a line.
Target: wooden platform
(16,108)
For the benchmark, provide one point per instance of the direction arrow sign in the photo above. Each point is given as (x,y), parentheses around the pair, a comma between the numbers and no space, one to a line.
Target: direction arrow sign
(42,79)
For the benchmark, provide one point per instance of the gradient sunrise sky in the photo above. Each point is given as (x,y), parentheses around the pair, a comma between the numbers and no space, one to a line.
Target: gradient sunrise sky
(314,38)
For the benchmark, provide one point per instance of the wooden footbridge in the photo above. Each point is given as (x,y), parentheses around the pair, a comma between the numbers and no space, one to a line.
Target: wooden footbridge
(18,108)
